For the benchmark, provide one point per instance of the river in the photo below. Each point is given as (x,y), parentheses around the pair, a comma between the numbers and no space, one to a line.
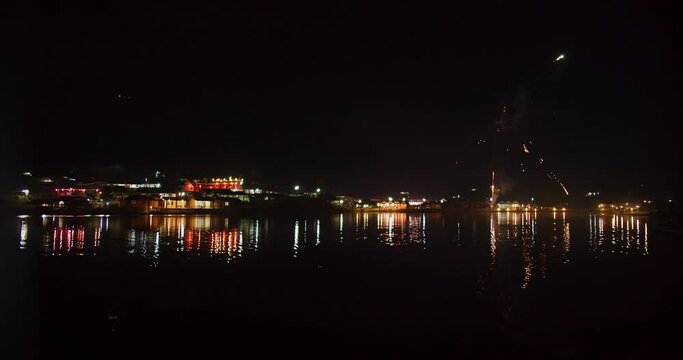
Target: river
(551,285)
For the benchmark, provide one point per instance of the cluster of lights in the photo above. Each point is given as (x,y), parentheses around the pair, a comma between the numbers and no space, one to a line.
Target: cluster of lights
(416,202)
(297,188)
(229,183)
(140,186)
(513,207)
(391,205)
(225,179)
(624,207)
(70,189)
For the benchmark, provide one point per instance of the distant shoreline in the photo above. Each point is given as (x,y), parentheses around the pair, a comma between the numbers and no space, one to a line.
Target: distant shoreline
(303,210)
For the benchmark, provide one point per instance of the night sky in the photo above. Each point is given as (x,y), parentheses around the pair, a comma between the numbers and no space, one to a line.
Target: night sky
(353,97)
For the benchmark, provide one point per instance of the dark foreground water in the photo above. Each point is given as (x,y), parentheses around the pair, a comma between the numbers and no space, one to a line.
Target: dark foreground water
(361,285)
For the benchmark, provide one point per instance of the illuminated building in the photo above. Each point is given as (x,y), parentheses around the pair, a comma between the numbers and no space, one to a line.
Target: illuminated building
(227,194)
(174,203)
(64,192)
(346,201)
(253,191)
(416,202)
(431,206)
(509,206)
(230,183)
(392,205)
(141,202)
(203,203)
(513,206)
(139,186)
(151,203)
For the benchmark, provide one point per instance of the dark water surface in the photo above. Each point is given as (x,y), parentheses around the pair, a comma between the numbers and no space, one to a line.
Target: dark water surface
(362,285)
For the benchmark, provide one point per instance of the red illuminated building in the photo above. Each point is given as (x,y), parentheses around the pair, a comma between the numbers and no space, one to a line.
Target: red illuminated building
(69,192)
(234,184)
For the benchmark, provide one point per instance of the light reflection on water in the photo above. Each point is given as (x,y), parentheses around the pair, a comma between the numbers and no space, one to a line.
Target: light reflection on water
(529,242)
(623,235)
(401,228)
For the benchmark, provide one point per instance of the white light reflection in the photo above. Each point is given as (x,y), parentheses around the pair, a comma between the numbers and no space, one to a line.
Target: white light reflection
(317,232)
(296,238)
(131,241)
(626,233)
(256,235)
(424,230)
(527,253)
(458,232)
(23,235)
(493,241)
(391,228)
(645,240)
(566,240)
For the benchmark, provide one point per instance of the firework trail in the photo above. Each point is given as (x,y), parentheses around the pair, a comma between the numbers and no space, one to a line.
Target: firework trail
(509,120)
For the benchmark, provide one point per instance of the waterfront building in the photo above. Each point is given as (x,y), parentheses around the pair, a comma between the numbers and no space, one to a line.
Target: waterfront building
(392,205)
(141,202)
(174,203)
(138,185)
(230,183)
(513,206)
(416,201)
(69,192)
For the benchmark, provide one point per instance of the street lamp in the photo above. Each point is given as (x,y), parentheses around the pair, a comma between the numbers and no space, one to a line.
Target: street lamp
(317,190)
(296,187)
